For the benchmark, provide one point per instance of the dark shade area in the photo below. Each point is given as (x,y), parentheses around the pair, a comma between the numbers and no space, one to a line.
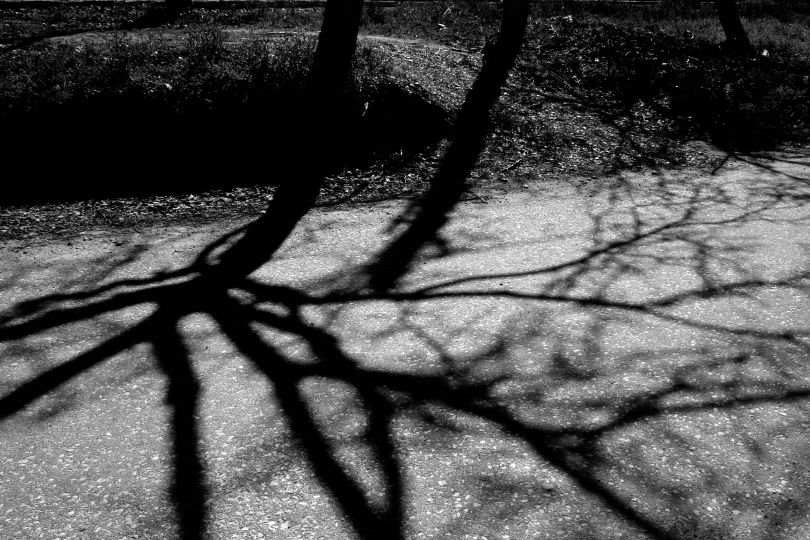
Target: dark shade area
(122,145)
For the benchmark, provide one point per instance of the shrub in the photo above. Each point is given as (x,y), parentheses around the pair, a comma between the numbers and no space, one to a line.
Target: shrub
(144,116)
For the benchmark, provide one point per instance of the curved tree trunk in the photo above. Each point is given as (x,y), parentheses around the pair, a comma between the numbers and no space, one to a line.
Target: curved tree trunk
(325,112)
(470,134)
(736,36)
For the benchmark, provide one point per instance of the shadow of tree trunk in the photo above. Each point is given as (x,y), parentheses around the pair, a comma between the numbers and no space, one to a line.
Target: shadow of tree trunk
(365,518)
(188,493)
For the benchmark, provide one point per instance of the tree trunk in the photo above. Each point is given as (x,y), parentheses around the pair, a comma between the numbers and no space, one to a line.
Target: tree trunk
(470,134)
(324,111)
(736,36)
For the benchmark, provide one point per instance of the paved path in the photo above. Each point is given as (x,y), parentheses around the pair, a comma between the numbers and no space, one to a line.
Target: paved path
(653,327)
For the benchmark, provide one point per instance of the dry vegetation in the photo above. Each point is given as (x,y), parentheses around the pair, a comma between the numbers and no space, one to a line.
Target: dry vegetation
(205,106)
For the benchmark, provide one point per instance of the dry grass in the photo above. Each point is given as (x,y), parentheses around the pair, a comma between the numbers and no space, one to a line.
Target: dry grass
(645,81)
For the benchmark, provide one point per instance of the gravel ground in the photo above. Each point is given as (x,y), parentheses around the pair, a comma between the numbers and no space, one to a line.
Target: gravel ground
(689,419)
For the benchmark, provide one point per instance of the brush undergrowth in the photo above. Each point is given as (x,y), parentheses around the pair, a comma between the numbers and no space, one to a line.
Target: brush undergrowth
(202,73)
(738,103)
(211,113)
(152,114)
(781,26)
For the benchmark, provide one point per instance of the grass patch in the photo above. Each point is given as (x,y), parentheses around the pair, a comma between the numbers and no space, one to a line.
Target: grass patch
(739,103)
(781,26)
(125,116)
(598,88)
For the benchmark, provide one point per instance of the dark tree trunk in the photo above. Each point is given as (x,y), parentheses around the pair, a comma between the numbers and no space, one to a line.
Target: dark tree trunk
(736,37)
(324,111)
(471,129)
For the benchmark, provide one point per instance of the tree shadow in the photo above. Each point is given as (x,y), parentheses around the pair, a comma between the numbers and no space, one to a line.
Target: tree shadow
(648,337)
(156,152)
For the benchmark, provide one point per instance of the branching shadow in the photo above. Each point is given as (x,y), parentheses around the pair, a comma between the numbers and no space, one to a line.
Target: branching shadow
(652,322)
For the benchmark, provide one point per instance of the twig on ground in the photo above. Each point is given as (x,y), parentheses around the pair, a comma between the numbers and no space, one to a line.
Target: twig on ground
(512,165)
(477,196)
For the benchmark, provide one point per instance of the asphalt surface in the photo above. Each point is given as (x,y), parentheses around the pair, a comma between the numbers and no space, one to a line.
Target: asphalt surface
(660,317)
